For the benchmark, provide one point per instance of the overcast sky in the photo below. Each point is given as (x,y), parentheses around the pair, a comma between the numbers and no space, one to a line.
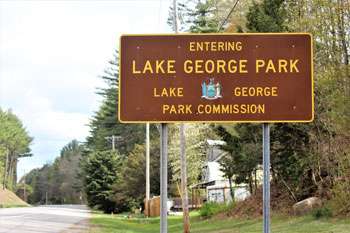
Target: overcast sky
(51,56)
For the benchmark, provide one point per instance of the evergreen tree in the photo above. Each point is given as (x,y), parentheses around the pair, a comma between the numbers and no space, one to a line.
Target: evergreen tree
(103,125)
(101,169)
(14,144)
(203,18)
(196,16)
(268,16)
(241,162)
(290,147)
(105,122)
(243,141)
(130,189)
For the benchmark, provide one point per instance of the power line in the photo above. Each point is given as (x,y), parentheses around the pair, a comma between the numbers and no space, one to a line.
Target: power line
(228,16)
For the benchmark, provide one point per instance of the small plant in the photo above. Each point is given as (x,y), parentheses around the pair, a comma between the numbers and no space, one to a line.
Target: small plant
(323,212)
(133,205)
(340,197)
(211,208)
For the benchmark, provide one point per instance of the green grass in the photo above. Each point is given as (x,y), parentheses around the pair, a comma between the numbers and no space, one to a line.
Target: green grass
(12,205)
(119,224)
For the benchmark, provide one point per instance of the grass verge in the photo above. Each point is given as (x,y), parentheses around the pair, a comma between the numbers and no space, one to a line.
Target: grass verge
(102,223)
(12,206)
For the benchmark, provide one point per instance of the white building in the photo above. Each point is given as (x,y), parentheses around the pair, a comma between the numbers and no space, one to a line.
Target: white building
(213,180)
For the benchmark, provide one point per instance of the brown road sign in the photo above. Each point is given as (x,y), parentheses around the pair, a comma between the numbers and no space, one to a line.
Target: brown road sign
(255,77)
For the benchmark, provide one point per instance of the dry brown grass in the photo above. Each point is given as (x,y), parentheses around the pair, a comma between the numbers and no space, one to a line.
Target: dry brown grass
(252,207)
(9,199)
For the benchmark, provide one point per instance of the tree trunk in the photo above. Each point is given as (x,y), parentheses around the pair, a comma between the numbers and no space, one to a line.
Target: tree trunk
(231,189)
(342,33)
(5,171)
(15,171)
(250,182)
(9,176)
(255,182)
(288,188)
(184,192)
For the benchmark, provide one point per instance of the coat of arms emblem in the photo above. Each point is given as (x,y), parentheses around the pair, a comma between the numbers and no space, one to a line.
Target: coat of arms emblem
(211,91)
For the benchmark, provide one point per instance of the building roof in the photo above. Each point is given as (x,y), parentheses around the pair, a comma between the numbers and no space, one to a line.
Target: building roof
(203,185)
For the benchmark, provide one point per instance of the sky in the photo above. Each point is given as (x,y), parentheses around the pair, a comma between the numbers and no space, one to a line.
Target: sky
(52,54)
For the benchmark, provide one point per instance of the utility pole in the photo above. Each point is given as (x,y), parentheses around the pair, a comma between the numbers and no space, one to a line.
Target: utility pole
(113,142)
(147,171)
(114,139)
(184,195)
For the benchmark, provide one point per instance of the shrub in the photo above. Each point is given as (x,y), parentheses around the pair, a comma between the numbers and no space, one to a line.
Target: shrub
(323,212)
(133,205)
(211,208)
(340,198)
(100,169)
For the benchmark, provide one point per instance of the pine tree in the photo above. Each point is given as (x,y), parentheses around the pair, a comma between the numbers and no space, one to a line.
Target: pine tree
(101,169)
(203,18)
(105,122)
(243,149)
(103,125)
(290,146)
(196,16)
(130,188)
(14,144)
(268,16)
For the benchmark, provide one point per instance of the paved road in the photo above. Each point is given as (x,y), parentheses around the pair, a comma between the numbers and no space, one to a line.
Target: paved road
(44,219)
